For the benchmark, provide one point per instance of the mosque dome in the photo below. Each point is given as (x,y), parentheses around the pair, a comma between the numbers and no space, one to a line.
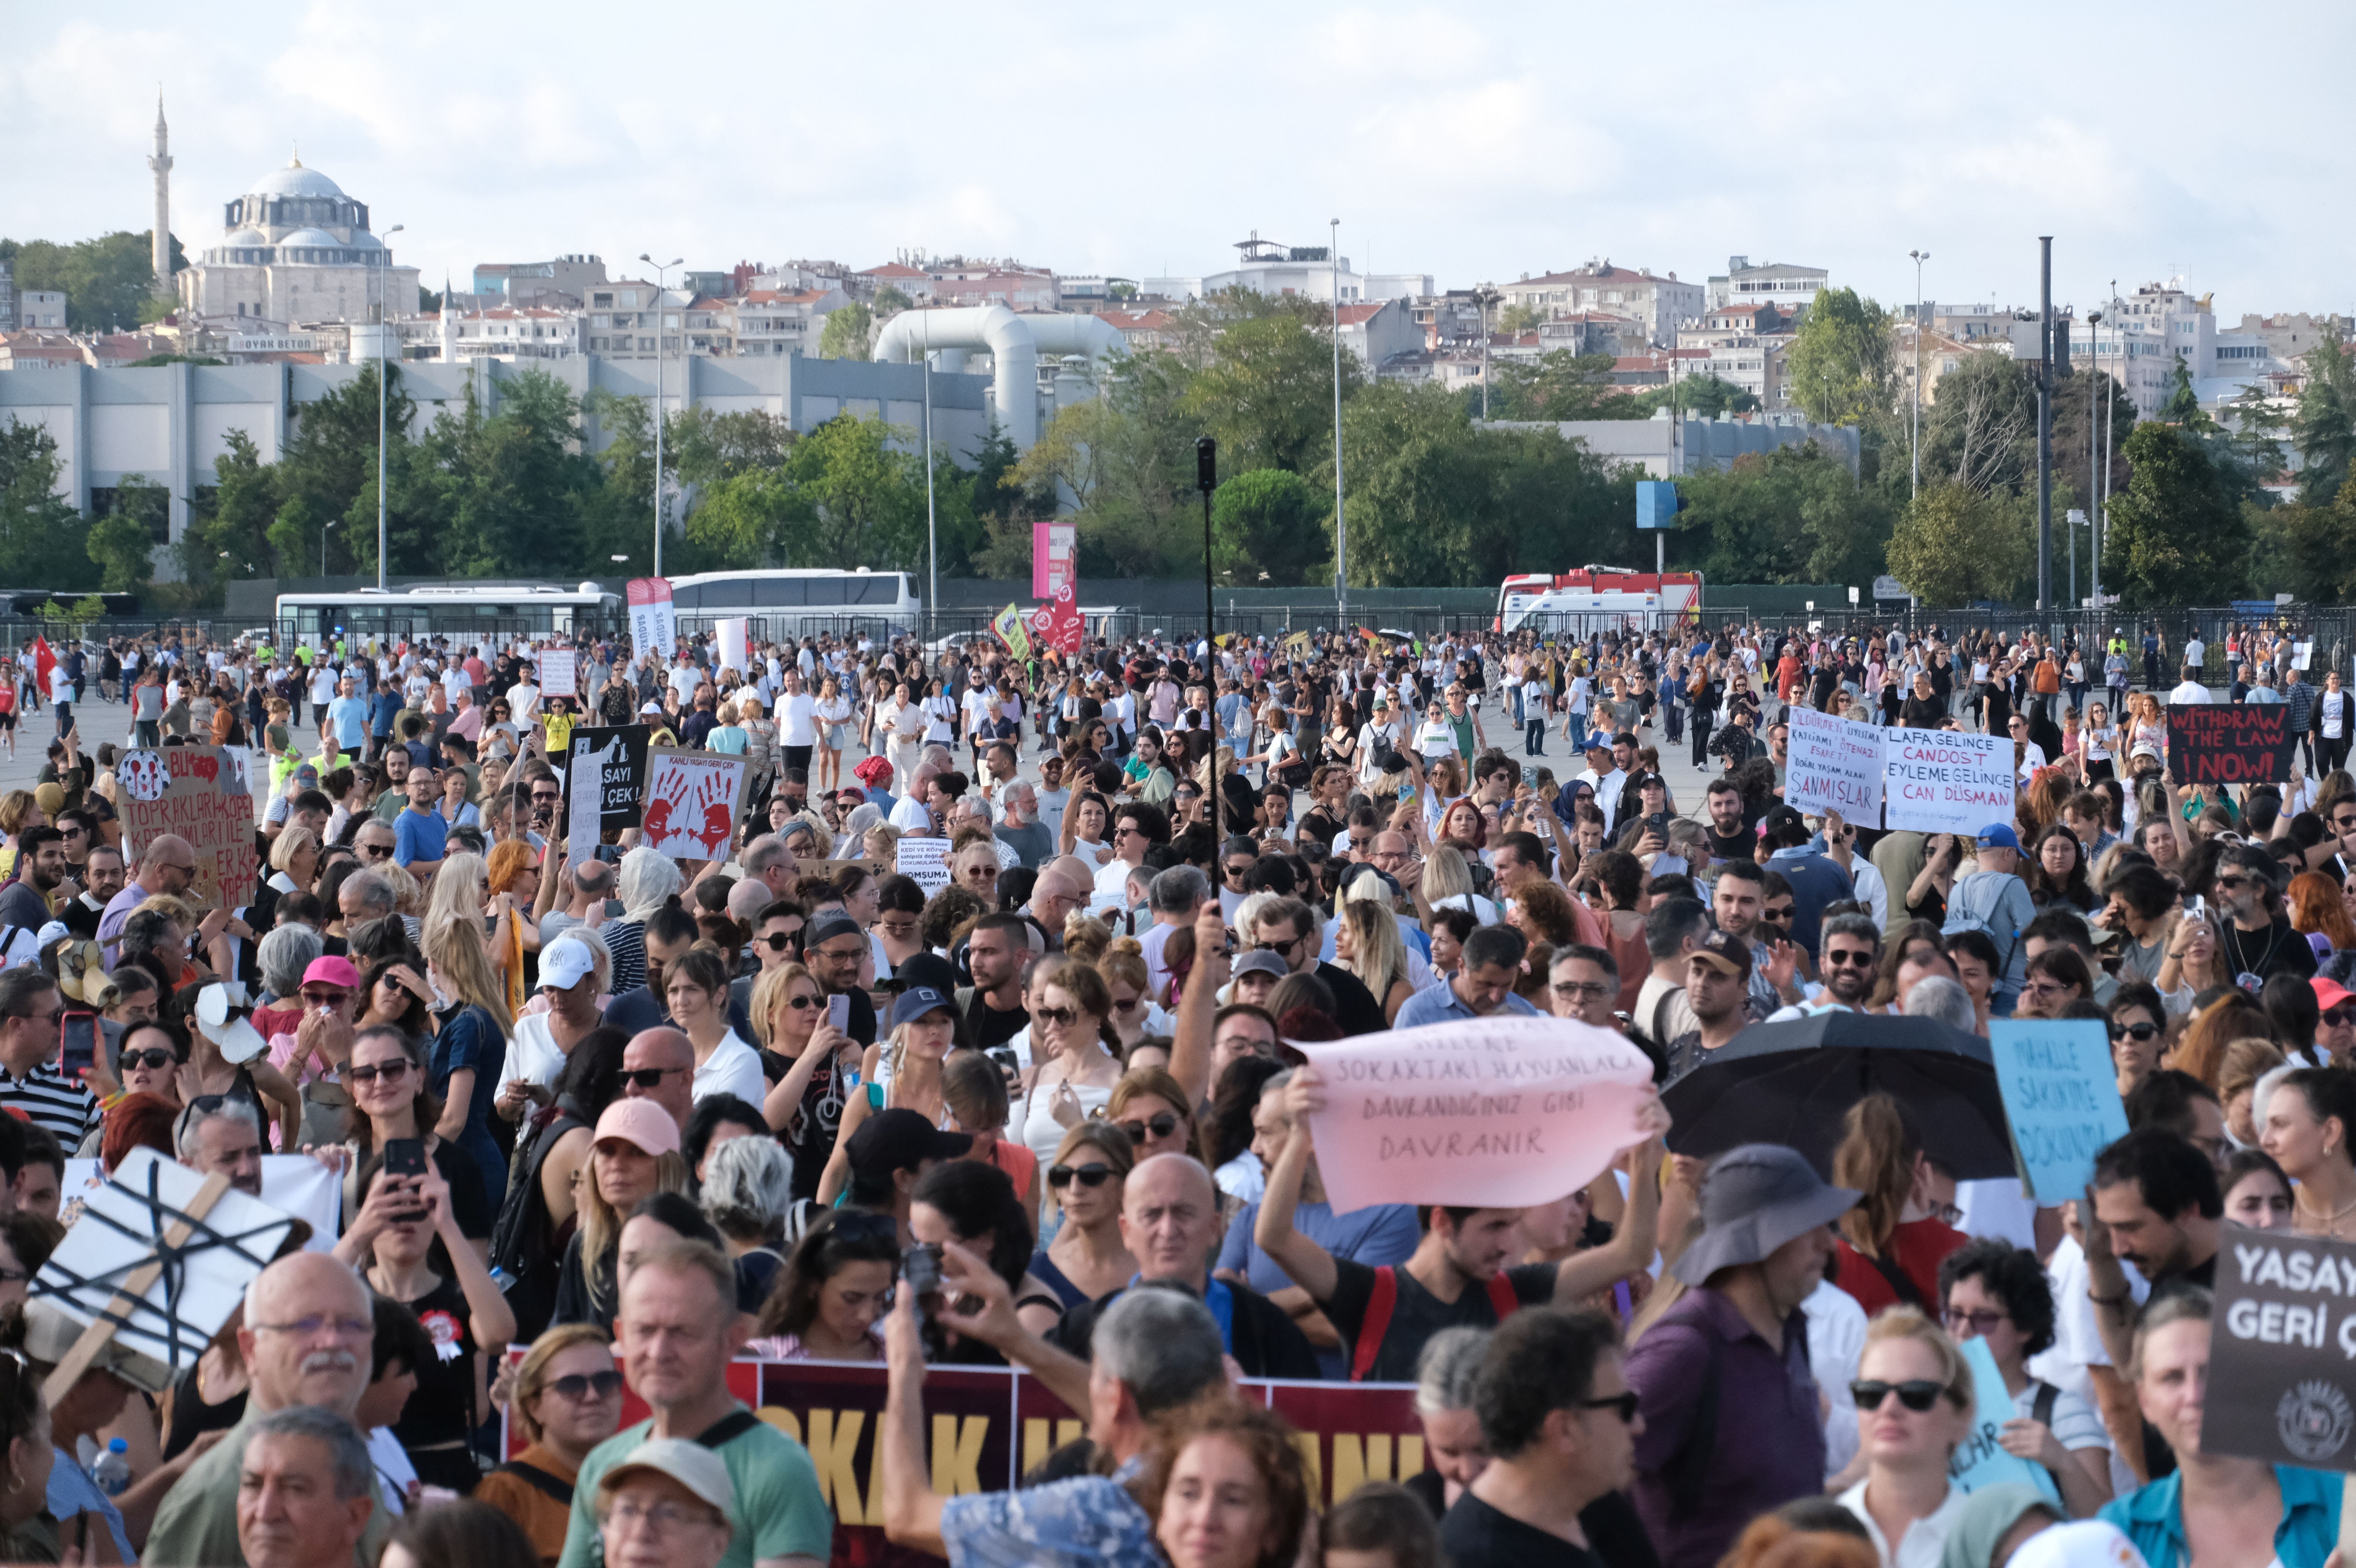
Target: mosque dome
(295,180)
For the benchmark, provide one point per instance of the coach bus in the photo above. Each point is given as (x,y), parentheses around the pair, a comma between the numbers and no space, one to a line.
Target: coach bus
(1596,599)
(491,611)
(796,601)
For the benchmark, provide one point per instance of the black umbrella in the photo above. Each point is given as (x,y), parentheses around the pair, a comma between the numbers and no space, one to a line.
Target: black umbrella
(1792,1083)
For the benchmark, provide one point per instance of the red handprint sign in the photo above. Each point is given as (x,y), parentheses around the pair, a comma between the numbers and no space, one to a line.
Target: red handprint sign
(692,800)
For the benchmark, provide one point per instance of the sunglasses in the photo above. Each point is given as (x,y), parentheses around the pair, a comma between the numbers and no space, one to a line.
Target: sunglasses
(390,1071)
(1579,987)
(153,1060)
(650,1077)
(377,851)
(1780,916)
(1985,1321)
(1062,1175)
(2134,1031)
(776,941)
(577,1387)
(326,998)
(1060,1017)
(2340,1017)
(1916,1394)
(1129,1006)
(1161,1126)
(1623,1406)
(1848,960)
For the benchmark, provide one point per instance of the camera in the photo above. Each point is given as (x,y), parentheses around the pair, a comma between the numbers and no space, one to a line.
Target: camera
(920,1274)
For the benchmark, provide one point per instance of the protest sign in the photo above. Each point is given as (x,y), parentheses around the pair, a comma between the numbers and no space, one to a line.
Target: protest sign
(2281,1351)
(2060,1096)
(203,794)
(692,802)
(1007,625)
(604,784)
(1497,1112)
(1835,764)
(829,869)
(2302,655)
(296,1184)
(559,673)
(654,622)
(1946,781)
(1980,1460)
(924,862)
(985,1427)
(2229,742)
(735,636)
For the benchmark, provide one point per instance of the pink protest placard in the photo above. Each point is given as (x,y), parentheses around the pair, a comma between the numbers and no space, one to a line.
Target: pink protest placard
(1493,1113)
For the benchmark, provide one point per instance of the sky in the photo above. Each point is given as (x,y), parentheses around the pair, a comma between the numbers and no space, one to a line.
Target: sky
(1482,144)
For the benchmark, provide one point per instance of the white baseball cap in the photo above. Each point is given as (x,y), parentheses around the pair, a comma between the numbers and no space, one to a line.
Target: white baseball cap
(565,965)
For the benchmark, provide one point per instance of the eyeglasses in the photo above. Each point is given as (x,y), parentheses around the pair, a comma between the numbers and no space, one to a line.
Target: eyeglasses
(659,1519)
(576,1387)
(1915,1393)
(312,1328)
(1090,1175)
(1161,1126)
(1985,1321)
(390,1071)
(1579,987)
(2144,1032)
(153,1060)
(1622,1405)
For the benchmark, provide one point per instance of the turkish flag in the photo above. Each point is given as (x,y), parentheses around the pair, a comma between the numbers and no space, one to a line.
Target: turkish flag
(44,661)
(1067,623)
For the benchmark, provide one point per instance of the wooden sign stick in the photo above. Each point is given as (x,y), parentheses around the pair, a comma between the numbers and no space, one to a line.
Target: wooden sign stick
(128,1297)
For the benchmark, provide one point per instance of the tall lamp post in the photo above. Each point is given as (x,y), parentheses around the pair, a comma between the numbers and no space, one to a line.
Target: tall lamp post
(1340,534)
(1206,479)
(661,358)
(1915,442)
(2094,471)
(383,330)
(323,544)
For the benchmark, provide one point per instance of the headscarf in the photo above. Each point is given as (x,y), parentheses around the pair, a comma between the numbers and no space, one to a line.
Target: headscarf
(647,880)
(1988,1516)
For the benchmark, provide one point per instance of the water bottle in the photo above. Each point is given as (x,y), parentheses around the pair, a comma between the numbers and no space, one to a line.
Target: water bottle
(111,1474)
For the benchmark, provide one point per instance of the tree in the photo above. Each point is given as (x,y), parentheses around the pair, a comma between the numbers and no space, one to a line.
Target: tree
(1268,526)
(245,504)
(41,535)
(1792,514)
(1840,368)
(1955,544)
(890,302)
(1980,431)
(109,282)
(1556,386)
(2323,429)
(2177,534)
(1516,319)
(702,446)
(1697,397)
(123,542)
(849,333)
(1268,392)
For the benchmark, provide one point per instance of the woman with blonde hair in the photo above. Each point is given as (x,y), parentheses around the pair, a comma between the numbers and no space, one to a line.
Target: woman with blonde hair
(635,1154)
(1914,1402)
(1891,1244)
(293,859)
(1087,1260)
(470,1047)
(1149,1106)
(1134,1013)
(567,1399)
(1366,943)
(903,1074)
(1446,883)
(833,715)
(1076,1048)
(789,1019)
(2246,1061)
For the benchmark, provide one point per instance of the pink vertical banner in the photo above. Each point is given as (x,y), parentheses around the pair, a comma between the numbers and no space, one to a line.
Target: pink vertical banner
(1052,546)
(1041,587)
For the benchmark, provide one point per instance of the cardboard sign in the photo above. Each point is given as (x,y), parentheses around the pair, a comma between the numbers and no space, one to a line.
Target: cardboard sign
(1980,1459)
(924,862)
(693,799)
(735,639)
(604,784)
(2061,1096)
(1835,764)
(1494,1113)
(559,673)
(202,794)
(2302,656)
(2229,742)
(1946,781)
(296,1184)
(654,622)
(2281,1351)
(1006,625)
(986,1426)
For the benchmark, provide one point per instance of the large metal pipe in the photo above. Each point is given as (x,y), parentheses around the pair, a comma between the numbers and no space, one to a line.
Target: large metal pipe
(1013,343)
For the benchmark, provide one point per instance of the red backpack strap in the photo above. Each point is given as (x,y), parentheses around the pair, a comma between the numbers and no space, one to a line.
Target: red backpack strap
(1501,1295)
(1377,1323)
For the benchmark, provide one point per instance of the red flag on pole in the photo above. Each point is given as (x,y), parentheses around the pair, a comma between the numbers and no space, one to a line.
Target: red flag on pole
(44,661)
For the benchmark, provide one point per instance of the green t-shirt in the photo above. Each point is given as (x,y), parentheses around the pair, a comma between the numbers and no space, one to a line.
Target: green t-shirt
(779,1511)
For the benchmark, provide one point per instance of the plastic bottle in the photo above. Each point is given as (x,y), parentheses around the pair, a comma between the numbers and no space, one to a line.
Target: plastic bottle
(112,1473)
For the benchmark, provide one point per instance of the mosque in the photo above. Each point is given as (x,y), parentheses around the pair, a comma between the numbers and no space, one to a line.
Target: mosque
(295,248)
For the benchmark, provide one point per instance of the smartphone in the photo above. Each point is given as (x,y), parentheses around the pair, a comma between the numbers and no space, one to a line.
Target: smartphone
(77,1039)
(1657,823)
(920,1274)
(406,1157)
(838,1012)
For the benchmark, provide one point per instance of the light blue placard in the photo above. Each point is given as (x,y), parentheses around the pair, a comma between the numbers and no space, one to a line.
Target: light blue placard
(2061,1096)
(1980,1460)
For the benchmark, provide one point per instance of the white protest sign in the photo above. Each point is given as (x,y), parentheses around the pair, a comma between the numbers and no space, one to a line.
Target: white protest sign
(924,862)
(1946,781)
(735,639)
(559,673)
(296,1184)
(1490,1113)
(2302,655)
(1835,764)
(692,800)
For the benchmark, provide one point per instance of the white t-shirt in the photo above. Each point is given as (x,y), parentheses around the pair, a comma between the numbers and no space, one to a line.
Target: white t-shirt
(794,711)
(734,1069)
(533,1054)
(1836,1345)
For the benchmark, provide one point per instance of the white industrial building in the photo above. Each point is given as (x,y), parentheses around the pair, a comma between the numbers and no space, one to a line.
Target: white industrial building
(1266,267)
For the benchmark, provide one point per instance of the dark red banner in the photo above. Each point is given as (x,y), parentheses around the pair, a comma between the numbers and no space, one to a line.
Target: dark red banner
(2229,742)
(987,1426)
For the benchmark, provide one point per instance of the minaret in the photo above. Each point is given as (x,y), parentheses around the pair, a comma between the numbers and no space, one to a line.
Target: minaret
(449,343)
(162,163)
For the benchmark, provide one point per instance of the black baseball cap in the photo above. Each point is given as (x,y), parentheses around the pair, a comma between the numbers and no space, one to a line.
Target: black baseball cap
(901,1139)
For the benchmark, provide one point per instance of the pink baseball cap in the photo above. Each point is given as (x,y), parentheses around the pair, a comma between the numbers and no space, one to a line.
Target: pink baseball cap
(639,1122)
(332,969)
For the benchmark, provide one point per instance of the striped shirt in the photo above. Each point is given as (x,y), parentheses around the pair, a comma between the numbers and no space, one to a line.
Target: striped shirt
(50,1100)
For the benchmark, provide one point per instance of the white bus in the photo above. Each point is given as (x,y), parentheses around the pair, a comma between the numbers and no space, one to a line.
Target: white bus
(796,601)
(457,610)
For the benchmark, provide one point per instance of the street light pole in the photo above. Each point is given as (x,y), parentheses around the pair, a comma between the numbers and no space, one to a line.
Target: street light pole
(1915,441)
(323,544)
(1206,479)
(1340,534)
(384,326)
(661,358)
(2095,467)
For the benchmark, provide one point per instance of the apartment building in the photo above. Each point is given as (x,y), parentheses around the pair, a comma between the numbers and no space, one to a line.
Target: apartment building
(1660,303)
(1780,284)
(774,321)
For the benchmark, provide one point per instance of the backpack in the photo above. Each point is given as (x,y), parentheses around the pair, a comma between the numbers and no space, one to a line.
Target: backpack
(1962,916)
(1384,1301)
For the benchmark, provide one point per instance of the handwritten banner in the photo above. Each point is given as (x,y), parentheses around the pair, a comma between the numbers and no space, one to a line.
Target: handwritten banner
(1980,1460)
(2229,742)
(924,862)
(203,794)
(1494,1113)
(559,673)
(692,801)
(1834,765)
(2282,1351)
(2061,1095)
(1945,781)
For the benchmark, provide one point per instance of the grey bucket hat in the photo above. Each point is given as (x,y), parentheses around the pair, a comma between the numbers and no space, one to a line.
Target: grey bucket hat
(1756,1197)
